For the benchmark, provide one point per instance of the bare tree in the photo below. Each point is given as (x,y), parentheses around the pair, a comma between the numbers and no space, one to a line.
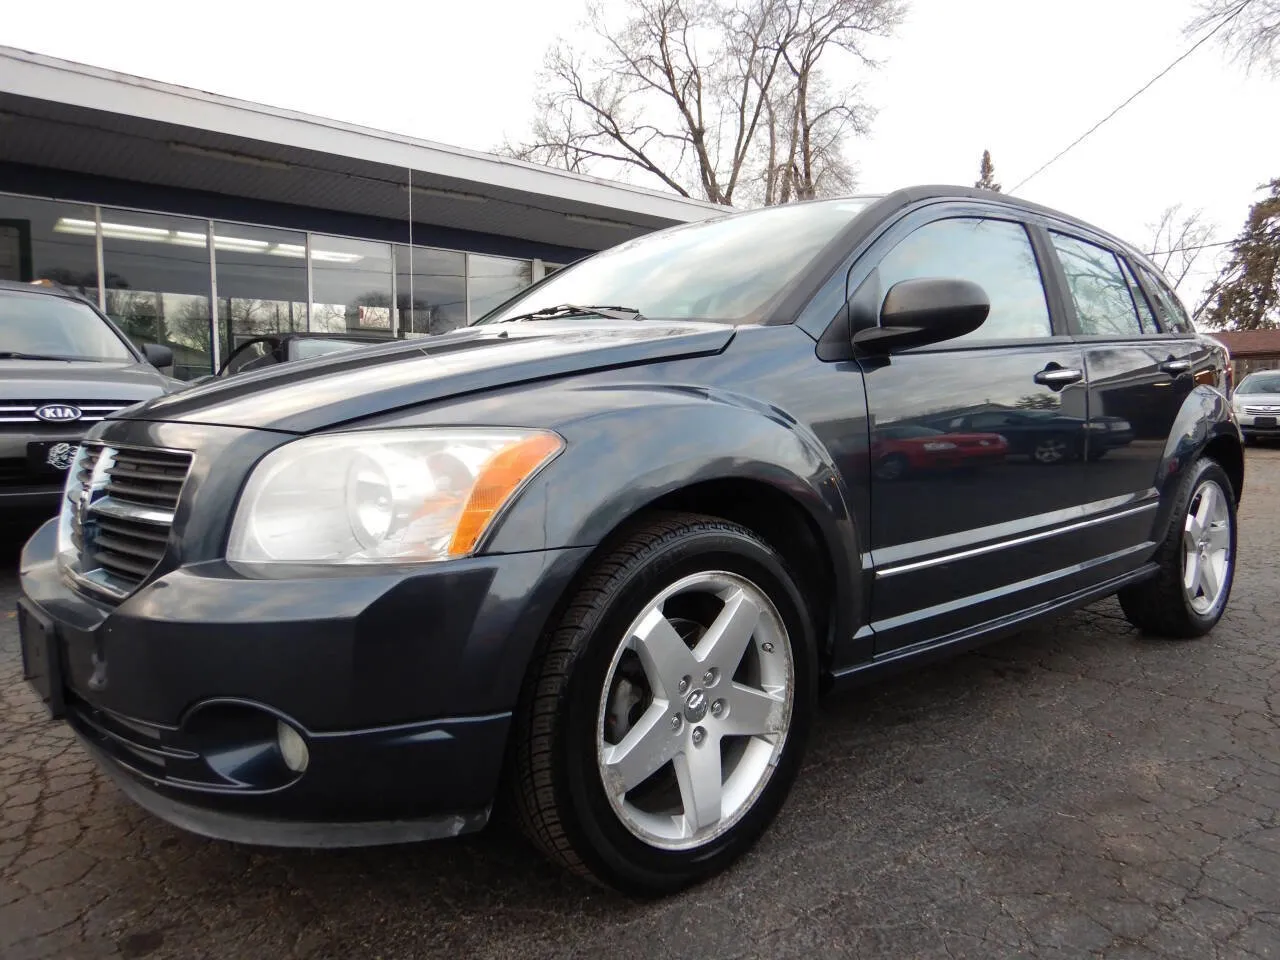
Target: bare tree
(1248,29)
(709,97)
(1177,241)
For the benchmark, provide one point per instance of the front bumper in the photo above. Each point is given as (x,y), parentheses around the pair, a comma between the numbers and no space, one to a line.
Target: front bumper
(400,682)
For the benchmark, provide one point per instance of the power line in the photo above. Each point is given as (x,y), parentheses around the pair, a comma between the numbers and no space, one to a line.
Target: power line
(1141,90)
(1191,249)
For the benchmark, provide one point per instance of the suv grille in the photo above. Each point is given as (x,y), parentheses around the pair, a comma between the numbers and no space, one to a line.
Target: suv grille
(14,412)
(120,506)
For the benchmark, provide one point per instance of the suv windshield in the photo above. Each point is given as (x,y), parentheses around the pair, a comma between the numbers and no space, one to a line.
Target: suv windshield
(728,269)
(1260,383)
(39,325)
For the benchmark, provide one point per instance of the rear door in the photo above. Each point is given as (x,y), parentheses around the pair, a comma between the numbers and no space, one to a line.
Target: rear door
(963,529)
(1142,361)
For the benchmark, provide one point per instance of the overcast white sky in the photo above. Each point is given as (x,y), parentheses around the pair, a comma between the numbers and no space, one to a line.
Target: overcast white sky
(1019,77)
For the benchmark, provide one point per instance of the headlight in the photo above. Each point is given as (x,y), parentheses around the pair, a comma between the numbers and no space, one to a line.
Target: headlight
(940,445)
(383,496)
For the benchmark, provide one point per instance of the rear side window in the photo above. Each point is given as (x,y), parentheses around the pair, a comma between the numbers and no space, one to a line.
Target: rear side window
(1098,287)
(1173,317)
(995,254)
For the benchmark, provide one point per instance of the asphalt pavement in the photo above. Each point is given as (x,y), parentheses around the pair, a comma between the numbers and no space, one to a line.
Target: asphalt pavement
(1075,791)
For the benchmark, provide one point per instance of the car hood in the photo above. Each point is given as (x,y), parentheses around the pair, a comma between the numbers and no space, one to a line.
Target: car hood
(1258,400)
(71,380)
(309,395)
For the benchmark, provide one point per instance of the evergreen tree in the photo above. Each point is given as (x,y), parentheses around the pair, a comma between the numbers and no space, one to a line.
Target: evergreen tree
(987,174)
(1246,295)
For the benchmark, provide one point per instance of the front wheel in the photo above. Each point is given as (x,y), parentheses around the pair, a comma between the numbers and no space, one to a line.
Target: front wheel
(1196,558)
(662,725)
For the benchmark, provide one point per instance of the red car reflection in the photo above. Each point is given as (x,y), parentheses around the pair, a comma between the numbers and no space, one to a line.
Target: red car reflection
(897,450)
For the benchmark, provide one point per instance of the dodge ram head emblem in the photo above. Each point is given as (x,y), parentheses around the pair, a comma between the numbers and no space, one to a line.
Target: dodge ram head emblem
(58,413)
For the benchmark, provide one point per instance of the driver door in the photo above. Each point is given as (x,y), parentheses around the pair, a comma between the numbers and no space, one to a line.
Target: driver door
(963,512)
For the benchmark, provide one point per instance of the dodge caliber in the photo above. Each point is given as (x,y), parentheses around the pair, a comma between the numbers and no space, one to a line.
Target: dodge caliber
(592,559)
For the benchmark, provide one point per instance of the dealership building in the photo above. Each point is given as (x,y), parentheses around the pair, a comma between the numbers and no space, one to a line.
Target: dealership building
(199,221)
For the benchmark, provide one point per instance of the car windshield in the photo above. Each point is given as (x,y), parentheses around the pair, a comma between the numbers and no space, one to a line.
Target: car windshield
(1260,383)
(39,325)
(729,269)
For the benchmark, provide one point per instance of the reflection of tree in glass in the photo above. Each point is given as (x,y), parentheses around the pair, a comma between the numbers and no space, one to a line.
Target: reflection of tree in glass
(1101,294)
(1037,401)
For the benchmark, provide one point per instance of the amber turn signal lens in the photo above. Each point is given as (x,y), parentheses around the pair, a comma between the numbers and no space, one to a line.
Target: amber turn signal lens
(498,479)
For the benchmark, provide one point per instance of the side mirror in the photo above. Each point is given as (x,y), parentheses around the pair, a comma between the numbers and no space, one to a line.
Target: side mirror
(157,355)
(930,310)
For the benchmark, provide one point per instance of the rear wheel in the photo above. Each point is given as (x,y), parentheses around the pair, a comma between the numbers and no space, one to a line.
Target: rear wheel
(1197,560)
(663,723)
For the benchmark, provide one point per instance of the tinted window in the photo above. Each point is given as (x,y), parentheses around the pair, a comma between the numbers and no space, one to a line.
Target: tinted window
(1104,305)
(1168,308)
(996,254)
(46,326)
(246,355)
(306,349)
(727,269)
(1145,313)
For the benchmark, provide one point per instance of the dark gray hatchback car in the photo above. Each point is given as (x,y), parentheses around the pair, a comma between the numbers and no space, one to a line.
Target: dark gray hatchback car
(600,552)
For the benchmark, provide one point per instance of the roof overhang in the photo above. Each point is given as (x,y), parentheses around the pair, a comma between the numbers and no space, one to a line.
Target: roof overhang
(90,121)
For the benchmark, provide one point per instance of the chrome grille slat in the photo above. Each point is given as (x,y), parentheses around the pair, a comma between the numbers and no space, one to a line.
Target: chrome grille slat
(121,533)
(91,411)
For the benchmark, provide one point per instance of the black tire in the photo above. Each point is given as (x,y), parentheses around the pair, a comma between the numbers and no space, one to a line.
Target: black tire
(1160,606)
(555,784)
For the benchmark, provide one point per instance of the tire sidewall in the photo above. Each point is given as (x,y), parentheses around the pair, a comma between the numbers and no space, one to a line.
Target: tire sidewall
(598,835)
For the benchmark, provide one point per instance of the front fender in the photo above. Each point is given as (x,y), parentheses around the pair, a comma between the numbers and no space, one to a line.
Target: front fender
(645,442)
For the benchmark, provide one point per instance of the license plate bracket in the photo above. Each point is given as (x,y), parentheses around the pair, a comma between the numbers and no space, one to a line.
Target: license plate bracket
(41,666)
(1264,421)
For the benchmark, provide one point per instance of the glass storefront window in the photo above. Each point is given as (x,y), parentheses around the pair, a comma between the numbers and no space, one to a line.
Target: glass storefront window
(156,271)
(495,279)
(350,285)
(262,282)
(46,240)
(432,296)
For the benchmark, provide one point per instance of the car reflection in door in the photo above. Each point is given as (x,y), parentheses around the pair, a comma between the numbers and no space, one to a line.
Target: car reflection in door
(1048,437)
(902,449)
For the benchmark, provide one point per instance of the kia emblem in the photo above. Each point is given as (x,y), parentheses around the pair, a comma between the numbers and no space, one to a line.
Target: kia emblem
(58,413)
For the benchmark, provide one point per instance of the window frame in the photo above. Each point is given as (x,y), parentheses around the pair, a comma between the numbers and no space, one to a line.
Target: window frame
(867,259)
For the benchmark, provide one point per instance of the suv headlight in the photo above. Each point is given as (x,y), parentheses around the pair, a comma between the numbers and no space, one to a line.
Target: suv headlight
(383,496)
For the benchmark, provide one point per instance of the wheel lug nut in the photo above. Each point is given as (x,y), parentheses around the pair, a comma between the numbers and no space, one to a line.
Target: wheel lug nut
(683,685)
(698,736)
(717,707)
(767,647)
(710,677)
(676,722)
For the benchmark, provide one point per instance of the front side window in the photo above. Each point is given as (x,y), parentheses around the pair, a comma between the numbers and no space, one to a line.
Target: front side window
(729,270)
(995,254)
(38,325)
(1101,294)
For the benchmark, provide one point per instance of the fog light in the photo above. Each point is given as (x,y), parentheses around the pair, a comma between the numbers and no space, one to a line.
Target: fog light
(292,747)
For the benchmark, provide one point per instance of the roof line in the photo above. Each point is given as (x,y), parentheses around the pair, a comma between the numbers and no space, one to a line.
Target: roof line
(15,60)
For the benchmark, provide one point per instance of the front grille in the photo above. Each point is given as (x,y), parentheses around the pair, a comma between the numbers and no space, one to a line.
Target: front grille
(1268,411)
(120,507)
(19,414)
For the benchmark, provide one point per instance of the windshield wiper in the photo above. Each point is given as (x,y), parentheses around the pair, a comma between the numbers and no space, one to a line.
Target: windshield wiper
(18,355)
(573,310)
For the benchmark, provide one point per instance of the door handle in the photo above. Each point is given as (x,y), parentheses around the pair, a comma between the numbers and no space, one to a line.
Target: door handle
(1055,377)
(1175,367)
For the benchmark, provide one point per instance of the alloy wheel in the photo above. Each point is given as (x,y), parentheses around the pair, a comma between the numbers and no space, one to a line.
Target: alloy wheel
(695,710)
(1206,547)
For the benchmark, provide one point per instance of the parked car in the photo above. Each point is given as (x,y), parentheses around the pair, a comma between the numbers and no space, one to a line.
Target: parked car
(273,348)
(63,367)
(905,448)
(602,549)
(1257,404)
